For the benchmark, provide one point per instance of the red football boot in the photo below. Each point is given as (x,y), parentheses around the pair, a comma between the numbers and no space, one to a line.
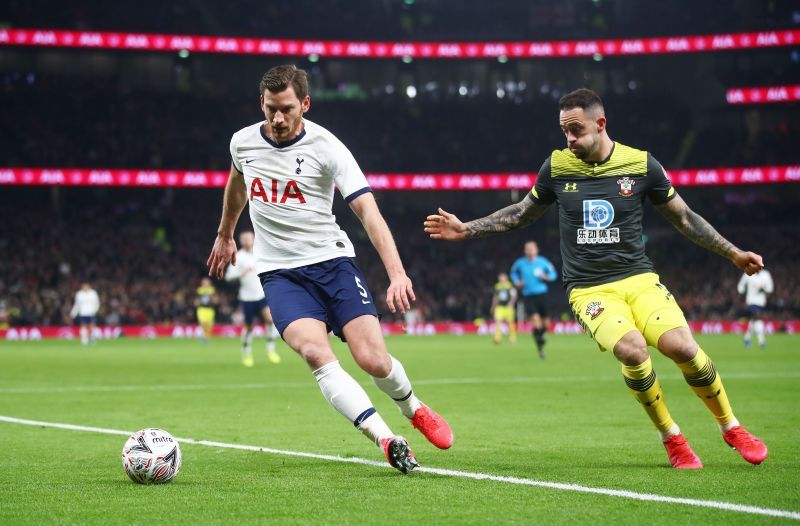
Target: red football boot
(433,426)
(399,454)
(680,454)
(749,446)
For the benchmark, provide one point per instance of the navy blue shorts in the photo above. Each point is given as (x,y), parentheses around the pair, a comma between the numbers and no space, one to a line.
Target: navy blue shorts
(86,320)
(251,309)
(755,310)
(332,291)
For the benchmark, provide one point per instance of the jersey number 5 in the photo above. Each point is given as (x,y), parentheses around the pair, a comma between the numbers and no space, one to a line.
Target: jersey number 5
(362,290)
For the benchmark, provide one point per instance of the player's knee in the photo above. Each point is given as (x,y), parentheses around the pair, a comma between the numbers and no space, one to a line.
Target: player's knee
(678,344)
(374,361)
(631,349)
(377,365)
(316,354)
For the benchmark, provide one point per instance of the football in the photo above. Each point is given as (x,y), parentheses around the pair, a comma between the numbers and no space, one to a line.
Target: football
(151,456)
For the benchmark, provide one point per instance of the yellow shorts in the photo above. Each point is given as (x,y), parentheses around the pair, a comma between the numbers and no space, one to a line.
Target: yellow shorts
(638,303)
(504,313)
(205,315)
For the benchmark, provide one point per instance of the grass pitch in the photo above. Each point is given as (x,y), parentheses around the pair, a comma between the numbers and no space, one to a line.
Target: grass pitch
(567,419)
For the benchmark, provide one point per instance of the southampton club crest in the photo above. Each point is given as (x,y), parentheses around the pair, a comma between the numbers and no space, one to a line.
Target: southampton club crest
(626,186)
(594,309)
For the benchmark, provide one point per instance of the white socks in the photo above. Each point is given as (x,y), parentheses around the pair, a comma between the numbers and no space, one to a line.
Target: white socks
(398,387)
(84,336)
(729,425)
(674,430)
(756,326)
(759,327)
(247,340)
(271,333)
(350,399)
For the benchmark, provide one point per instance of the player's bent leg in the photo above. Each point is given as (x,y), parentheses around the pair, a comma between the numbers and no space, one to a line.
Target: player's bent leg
(309,338)
(364,337)
(641,379)
(699,372)
(701,375)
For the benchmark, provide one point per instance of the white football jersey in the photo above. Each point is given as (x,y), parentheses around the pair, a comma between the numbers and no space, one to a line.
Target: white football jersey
(290,193)
(245,271)
(87,303)
(756,287)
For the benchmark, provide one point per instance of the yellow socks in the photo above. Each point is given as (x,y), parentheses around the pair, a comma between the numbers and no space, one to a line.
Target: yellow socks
(702,377)
(642,381)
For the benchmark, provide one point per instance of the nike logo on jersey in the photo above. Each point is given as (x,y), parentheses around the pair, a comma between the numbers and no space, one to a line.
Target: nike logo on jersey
(248,161)
(365,302)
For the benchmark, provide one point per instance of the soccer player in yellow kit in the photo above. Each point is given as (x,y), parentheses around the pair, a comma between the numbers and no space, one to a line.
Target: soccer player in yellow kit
(504,300)
(206,303)
(600,187)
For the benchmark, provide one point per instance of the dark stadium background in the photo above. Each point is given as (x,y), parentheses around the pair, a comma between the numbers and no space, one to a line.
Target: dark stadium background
(144,250)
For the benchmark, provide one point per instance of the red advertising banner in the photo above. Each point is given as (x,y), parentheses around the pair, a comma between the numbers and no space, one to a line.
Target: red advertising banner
(418,329)
(431,50)
(764,94)
(402,181)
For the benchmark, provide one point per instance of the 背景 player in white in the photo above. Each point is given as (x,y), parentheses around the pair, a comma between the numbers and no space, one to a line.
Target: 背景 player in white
(286,167)
(251,297)
(755,288)
(85,308)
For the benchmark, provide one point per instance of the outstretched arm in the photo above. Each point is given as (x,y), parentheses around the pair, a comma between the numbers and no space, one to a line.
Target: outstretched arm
(693,226)
(400,292)
(447,226)
(224,250)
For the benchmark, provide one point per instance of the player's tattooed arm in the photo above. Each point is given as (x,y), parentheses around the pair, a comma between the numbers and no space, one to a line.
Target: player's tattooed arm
(509,218)
(447,226)
(693,226)
(700,231)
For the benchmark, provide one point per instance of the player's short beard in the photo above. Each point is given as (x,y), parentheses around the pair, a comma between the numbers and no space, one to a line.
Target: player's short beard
(588,152)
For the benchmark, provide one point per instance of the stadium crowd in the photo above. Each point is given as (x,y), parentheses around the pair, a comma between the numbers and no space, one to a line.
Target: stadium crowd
(144,251)
(176,130)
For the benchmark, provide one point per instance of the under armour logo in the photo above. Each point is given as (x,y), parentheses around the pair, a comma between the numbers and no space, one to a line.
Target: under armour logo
(570,187)
(299,161)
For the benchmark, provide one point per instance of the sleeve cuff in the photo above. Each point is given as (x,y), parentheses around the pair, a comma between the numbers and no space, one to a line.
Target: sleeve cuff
(357,193)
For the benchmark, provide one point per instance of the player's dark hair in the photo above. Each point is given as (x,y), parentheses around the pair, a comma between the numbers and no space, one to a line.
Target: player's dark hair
(279,78)
(580,98)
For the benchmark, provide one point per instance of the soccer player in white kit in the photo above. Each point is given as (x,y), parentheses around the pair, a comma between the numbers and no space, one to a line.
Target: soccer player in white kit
(286,167)
(755,288)
(251,297)
(85,308)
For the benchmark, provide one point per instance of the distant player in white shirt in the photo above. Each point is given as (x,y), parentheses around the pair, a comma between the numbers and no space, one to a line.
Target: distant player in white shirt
(84,310)
(251,297)
(286,168)
(755,288)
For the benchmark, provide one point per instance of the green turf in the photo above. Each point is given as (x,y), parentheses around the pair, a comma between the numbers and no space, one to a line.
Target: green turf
(567,419)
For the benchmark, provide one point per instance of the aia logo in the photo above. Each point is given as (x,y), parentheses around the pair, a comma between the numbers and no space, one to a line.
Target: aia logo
(276,195)
(299,162)
(594,309)
(626,186)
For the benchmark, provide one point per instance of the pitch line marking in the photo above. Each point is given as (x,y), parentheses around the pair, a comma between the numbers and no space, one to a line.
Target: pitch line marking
(650,497)
(423,381)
